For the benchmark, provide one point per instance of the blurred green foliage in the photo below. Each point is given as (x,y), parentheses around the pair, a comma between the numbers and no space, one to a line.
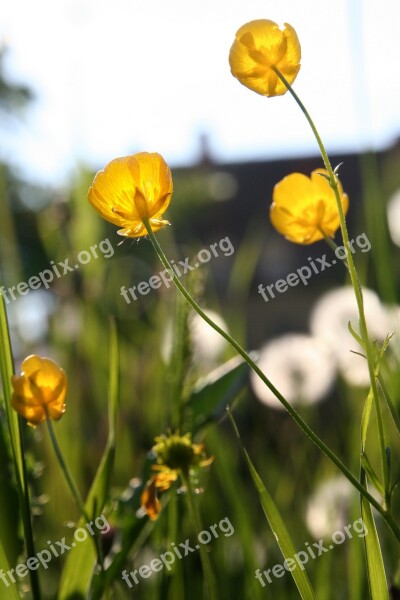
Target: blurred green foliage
(156,391)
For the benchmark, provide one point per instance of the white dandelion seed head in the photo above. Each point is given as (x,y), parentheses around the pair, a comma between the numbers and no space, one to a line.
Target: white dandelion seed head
(299,366)
(328,507)
(207,344)
(393,217)
(329,321)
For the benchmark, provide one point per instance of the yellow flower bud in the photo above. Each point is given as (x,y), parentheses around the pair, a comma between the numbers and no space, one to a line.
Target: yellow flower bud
(132,189)
(40,390)
(304,209)
(258,47)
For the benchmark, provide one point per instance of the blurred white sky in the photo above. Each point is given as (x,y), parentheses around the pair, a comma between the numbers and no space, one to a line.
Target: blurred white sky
(112,77)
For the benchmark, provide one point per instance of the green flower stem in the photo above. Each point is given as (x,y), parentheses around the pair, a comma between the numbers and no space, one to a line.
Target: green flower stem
(293,413)
(333,180)
(72,486)
(210,583)
(26,516)
(332,245)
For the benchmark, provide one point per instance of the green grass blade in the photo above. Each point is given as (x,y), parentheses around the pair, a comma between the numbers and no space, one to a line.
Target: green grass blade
(377,227)
(81,561)
(375,567)
(278,526)
(365,419)
(113,388)
(370,471)
(7,371)
(10,592)
(16,441)
(9,507)
(392,408)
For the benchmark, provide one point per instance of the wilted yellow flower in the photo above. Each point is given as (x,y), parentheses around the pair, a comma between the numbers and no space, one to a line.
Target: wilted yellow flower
(258,47)
(132,189)
(157,483)
(40,390)
(175,454)
(304,209)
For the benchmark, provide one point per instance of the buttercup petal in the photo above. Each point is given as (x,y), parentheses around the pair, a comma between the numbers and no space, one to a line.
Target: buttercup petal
(132,189)
(293,48)
(40,390)
(259,46)
(304,209)
(261,33)
(113,187)
(30,365)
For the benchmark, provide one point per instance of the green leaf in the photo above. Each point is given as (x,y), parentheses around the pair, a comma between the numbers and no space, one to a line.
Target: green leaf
(10,592)
(81,561)
(213,393)
(277,526)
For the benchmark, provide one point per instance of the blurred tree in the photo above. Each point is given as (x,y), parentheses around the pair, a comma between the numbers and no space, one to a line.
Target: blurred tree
(13,97)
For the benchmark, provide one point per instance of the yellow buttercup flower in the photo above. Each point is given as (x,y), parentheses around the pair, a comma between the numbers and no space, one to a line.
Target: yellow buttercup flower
(40,390)
(175,454)
(131,190)
(259,47)
(304,209)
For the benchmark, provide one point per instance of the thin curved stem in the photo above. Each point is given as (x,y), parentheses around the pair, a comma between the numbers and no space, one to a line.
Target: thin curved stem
(293,413)
(72,486)
(333,180)
(333,246)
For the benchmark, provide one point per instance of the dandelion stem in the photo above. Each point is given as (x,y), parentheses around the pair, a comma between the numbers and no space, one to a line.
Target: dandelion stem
(293,413)
(354,280)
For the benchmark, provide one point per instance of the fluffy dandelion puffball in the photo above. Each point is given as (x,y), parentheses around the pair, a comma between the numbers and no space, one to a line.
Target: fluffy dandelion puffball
(299,366)
(329,321)
(328,508)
